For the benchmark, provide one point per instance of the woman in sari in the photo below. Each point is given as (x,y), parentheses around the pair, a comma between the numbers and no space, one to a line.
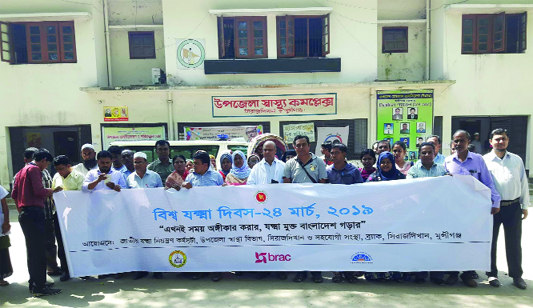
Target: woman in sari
(399,149)
(240,171)
(226,161)
(176,178)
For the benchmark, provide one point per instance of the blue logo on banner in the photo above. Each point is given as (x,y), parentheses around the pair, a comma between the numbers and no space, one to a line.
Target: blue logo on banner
(361,257)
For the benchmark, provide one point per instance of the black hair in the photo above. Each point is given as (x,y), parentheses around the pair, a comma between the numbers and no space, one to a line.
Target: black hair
(412,109)
(29,152)
(369,152)
(298,137)
(104,154)
(287,153)
(162,143)
(178,156)
(43,154)
(384,141)
(400,143)
(341,146)
(471,148)
(202,156)
(459,131)
(327,145)
(115,149)
(499,131)
(434,136)
(62,160)
(429,144)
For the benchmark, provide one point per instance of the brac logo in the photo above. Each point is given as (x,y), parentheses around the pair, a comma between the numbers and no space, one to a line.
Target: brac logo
(264,257)
(361,258)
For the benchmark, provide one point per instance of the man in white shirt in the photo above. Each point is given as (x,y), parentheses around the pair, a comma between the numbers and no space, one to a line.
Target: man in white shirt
(104,177)
(388,129)
(510,179)
(88,154)
(268,171)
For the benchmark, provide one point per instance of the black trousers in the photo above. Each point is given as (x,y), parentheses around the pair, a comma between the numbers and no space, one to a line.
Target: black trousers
(511,218)
(60,246)
(50,244)
(31,221)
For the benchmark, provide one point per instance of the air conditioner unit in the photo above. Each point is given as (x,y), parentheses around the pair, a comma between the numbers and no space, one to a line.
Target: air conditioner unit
(158,76)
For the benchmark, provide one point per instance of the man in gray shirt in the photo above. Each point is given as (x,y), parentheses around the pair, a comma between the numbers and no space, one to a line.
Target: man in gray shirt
(306,167)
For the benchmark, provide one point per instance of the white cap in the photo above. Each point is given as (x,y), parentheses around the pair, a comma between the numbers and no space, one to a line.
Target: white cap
(87,146)
(139,154)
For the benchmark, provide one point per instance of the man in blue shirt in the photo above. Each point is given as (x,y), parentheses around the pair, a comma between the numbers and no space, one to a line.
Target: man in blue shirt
(143,178)
(203,176)
(439,158)
(342,172)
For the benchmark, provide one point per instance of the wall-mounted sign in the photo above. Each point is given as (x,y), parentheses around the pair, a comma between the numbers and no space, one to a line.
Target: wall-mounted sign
(304,129)
(334,135)
(213,132)
(191,53)
(274,105)
(110,134)
(115,113)
(407,116)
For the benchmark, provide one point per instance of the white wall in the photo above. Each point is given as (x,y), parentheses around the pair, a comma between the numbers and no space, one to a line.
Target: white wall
(135,12)
(411,65)
(126,71)
(487,84)
(401,9)
(353,39)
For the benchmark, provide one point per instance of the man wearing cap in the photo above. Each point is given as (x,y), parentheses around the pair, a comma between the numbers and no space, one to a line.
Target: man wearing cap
(143,178)
(89,161)
(477,143)
(104,177)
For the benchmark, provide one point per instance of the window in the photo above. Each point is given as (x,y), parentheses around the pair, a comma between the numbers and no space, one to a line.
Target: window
(242,37)
(38,42)
(394,40)
(142,45)
(494,33)
(303,36)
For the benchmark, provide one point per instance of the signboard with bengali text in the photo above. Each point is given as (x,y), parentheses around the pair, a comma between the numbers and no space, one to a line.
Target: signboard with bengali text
(274,105)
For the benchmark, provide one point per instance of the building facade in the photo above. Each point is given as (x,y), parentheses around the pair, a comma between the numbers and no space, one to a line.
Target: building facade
(93,71)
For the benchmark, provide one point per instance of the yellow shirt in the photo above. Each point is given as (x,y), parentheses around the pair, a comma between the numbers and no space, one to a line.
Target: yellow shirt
(73,181)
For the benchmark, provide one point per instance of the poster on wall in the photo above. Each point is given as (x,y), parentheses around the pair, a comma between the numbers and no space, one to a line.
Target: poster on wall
(34,140)
(407,116)
(274,105)
(305,129)
(115,113)
(110,134)
(190,54)
(335,135)
(216,132)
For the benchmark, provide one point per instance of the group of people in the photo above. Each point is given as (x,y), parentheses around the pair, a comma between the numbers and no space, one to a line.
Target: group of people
(116,169)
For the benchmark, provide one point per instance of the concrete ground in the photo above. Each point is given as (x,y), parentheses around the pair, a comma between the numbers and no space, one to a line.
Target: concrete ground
(246,291)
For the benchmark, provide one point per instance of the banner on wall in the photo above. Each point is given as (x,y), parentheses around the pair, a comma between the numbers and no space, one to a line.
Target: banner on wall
(331,134)
(110,134)
(289,227)
(214,132)
(116,114)
(407,116)
(305,129)
(274,105)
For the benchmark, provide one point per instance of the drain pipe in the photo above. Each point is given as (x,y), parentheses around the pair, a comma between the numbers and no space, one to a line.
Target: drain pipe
(170,124)
(107,44)
(428,39)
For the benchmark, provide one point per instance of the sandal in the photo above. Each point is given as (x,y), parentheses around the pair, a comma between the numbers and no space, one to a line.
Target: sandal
(337,278)
(4,283)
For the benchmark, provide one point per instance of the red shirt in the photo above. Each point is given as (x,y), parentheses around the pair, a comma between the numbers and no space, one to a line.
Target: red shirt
(28,189)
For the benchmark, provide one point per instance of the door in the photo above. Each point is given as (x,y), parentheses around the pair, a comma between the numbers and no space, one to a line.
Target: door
(66,143)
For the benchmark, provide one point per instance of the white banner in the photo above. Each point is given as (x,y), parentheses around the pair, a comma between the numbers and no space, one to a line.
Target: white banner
(305,129)
(247,133)
(289,227)
(332,134)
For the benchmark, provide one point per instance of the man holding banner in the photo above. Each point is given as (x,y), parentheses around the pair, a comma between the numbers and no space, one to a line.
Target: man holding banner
(464,162)
(306,168)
